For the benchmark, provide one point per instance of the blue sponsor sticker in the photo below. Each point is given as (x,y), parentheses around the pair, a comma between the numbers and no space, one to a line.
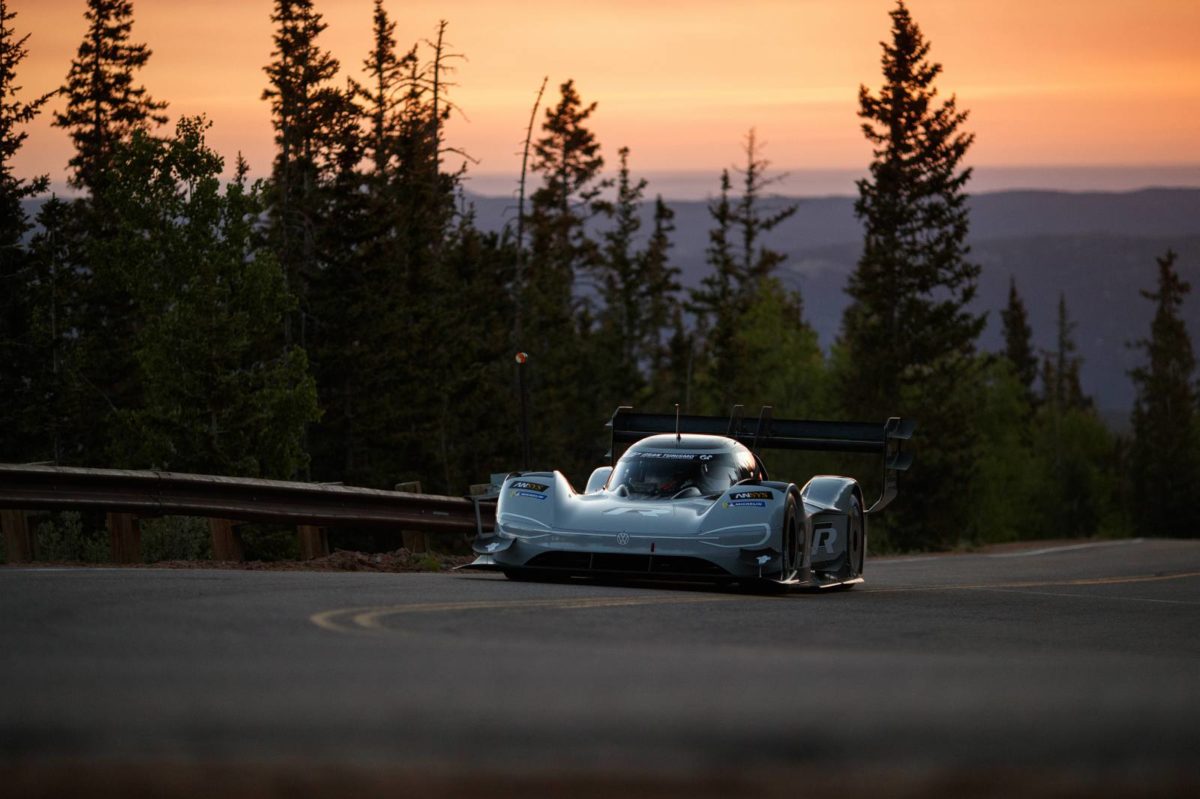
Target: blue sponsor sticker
(752,495)
(746,503)
(529,494)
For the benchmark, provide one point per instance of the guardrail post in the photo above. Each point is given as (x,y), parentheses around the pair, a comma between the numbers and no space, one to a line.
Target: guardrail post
(125,538)
(413,541)
(18,543)
(314,541)
(226,543)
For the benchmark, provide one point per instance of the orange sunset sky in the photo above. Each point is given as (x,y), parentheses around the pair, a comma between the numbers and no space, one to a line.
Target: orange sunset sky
(1048,82)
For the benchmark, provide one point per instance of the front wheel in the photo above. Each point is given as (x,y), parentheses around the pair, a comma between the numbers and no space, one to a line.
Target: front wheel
(856,539)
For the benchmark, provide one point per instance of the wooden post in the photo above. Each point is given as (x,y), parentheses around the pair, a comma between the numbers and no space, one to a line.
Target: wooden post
(125,538)
(476,490)
(226,543)
(314,542)
(413,541)
(18,543)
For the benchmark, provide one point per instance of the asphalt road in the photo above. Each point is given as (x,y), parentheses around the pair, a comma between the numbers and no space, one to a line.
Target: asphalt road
(1079,666)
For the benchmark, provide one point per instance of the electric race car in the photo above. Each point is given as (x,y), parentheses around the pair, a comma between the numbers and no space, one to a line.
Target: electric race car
(691,499)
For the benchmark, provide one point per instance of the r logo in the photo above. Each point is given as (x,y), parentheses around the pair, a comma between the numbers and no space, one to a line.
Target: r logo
(824,539)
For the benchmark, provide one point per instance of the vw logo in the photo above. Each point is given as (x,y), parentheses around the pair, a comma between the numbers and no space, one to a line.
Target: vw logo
(622,538)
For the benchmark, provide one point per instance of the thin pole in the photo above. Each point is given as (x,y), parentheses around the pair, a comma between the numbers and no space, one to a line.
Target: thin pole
(521,358)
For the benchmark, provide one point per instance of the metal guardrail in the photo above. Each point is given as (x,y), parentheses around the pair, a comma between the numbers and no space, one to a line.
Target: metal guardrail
(148,493)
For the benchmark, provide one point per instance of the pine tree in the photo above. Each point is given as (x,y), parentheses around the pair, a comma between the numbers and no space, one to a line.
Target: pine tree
(660,295)
(1062,389)
(908,334)
(14,114)
(1166,421)
(638,288)
(105,110)
(17,355)
(387,72)
(385,345)
(304,108)
(556,326)
(1072,443)
(757,261)
(743,267)
(1018,341)
(105,106)
(55,421)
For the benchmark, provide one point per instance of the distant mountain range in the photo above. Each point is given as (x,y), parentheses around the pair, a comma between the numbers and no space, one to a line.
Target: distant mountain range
(1096,248)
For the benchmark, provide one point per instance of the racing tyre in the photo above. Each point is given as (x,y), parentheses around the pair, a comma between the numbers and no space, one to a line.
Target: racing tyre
(856,539)
(791,540)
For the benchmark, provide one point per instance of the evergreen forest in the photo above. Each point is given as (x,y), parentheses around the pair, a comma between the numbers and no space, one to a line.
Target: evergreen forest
(346,320)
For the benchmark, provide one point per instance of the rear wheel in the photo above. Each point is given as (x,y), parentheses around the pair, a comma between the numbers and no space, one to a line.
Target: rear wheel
(856,539)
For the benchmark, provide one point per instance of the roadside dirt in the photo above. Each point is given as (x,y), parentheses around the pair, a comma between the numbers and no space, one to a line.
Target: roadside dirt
(401,560)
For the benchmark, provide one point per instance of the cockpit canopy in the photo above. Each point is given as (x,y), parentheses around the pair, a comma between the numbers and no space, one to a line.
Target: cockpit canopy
(654,473)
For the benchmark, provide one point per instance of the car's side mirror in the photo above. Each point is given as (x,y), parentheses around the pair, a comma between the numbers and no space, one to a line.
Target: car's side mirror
(598,479)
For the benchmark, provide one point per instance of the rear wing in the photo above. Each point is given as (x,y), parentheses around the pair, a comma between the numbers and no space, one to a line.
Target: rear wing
(766,432)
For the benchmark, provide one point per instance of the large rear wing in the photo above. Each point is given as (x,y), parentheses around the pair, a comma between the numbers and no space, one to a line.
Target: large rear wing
(765,432)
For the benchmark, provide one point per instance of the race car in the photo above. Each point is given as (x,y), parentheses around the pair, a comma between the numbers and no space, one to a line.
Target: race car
(690,499)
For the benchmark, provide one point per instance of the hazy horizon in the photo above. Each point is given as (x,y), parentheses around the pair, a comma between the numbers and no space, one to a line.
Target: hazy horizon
(699,184)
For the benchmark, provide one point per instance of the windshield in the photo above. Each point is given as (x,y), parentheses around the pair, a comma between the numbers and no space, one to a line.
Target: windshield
(662,475)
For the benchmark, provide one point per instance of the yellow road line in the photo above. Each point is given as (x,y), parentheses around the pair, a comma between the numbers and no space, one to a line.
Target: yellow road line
(370,619)
(1139,578)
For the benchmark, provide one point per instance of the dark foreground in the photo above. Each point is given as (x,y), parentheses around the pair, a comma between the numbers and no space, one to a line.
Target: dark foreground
(1069,672)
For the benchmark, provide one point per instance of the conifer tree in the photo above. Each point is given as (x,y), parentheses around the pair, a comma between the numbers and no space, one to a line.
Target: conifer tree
(386,72)
(1062,389)
(743,266)
(638,288)
(55,424)
(660,295)
(1166,421)
(757,261)
(1018,340)
(1073,444)
(568,158)
(105,109)
(14,114)
(305,107)
(556,327)
(17,356)
(620,331)
(908,335)
(105,105)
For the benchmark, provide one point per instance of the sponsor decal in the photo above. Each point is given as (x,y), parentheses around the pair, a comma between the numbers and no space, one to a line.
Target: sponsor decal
(528,494)
(823,539)
(519,484)
(672,456)
(745,503)
(752,495)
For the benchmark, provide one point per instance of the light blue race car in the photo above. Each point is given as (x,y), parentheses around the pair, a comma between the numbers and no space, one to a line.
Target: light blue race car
(690,499)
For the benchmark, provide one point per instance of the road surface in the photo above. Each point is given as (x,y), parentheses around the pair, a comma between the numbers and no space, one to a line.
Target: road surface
(1066,670)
